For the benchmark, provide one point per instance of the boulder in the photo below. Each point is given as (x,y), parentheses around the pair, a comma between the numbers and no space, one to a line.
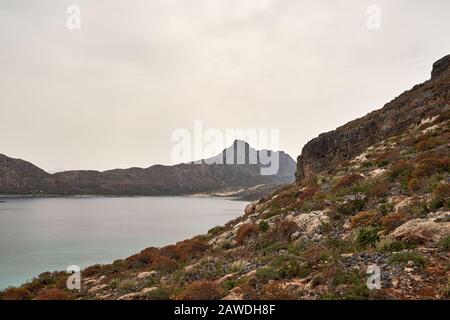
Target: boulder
(310,224)
(130,296)
(431,229)
(145,275)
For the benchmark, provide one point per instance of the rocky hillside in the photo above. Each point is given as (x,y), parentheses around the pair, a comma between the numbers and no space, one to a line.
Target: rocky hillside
(20,177)
(424,101)
(371,195)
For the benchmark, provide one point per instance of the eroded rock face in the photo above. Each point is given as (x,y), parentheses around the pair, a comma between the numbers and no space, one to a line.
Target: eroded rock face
(431,229)
(423,101)
(310,224)
(441,66)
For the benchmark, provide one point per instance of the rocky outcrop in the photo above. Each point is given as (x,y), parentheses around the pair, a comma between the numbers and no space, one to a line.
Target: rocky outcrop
(423,101)
(310,224)
(431,229)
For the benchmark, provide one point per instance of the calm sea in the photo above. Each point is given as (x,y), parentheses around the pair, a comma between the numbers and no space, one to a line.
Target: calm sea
(48,234)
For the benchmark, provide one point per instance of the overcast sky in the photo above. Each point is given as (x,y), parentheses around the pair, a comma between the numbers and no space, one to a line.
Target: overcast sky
(110,94)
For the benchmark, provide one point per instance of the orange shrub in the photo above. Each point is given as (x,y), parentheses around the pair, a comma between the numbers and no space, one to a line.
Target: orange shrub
(184,250)
(273,291)
(164,264)
(392,221)
(414,185)
(282,230)
(401,169)
(52,294)
(308,193)
(442,191)
(142,259)
(201,290)
(348,181)
(379,189)
(15,294)
(314,254)
(429,144)
(92,270)
(366,219)
(246,231)
(384,158)
(430,166)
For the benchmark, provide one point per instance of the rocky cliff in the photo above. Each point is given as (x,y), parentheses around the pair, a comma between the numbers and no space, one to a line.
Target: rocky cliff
(423,101)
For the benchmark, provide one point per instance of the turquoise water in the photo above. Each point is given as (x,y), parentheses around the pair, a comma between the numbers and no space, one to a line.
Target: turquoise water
(48,234)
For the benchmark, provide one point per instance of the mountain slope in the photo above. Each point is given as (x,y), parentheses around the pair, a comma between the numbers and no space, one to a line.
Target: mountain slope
(366,200)
(423,101)
(20,177)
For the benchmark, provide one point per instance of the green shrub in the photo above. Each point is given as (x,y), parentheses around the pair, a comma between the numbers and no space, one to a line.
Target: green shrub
(229,284)
(436,204)
(351,206)
(158,294)
(445,243)
(216,230)
(128,285)
(446,291)
(267,273)
(297,248)
(391,245)
(348,181)
(367,236)
(226,245)
(263,226)
(404,257)
(401,170)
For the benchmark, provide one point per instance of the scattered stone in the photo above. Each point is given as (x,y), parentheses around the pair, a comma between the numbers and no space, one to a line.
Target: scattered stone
(147,290)
(97,288)
(145,275)
(129,296)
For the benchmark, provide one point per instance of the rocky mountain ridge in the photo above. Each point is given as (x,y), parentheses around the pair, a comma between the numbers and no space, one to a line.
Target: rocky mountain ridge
(23,178)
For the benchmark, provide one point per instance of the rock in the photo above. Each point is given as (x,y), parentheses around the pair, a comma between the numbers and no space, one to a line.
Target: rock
(409,270)
(400,202)
(250,208)
(295,235)
(377,172)
(89,281)
(147,290)
(130,296)
(226,277)
(145,275)
(423,230)
(310,224)
(395,282)
(235,294)
(97,288)
(441,66)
